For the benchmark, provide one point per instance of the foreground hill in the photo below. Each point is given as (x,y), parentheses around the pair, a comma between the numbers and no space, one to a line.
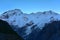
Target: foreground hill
(7,33)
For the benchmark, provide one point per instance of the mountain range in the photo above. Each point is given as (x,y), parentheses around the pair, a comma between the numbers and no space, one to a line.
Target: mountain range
(33,26)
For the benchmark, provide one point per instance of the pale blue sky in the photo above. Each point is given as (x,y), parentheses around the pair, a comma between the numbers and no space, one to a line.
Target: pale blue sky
(28,6)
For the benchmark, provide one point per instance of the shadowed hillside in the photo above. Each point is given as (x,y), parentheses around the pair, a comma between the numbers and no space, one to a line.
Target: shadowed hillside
(7,33)
(51,31)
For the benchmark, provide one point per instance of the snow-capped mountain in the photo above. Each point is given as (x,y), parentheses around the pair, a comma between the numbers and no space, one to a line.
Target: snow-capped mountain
(24,24)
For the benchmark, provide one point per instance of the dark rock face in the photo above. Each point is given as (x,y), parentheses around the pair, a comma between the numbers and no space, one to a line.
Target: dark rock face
(33,35)
(51,31)
(7,33)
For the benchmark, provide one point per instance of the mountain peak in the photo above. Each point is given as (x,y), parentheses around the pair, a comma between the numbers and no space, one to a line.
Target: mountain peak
(49,12)
(9,13)
(17,10)
(13,11)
